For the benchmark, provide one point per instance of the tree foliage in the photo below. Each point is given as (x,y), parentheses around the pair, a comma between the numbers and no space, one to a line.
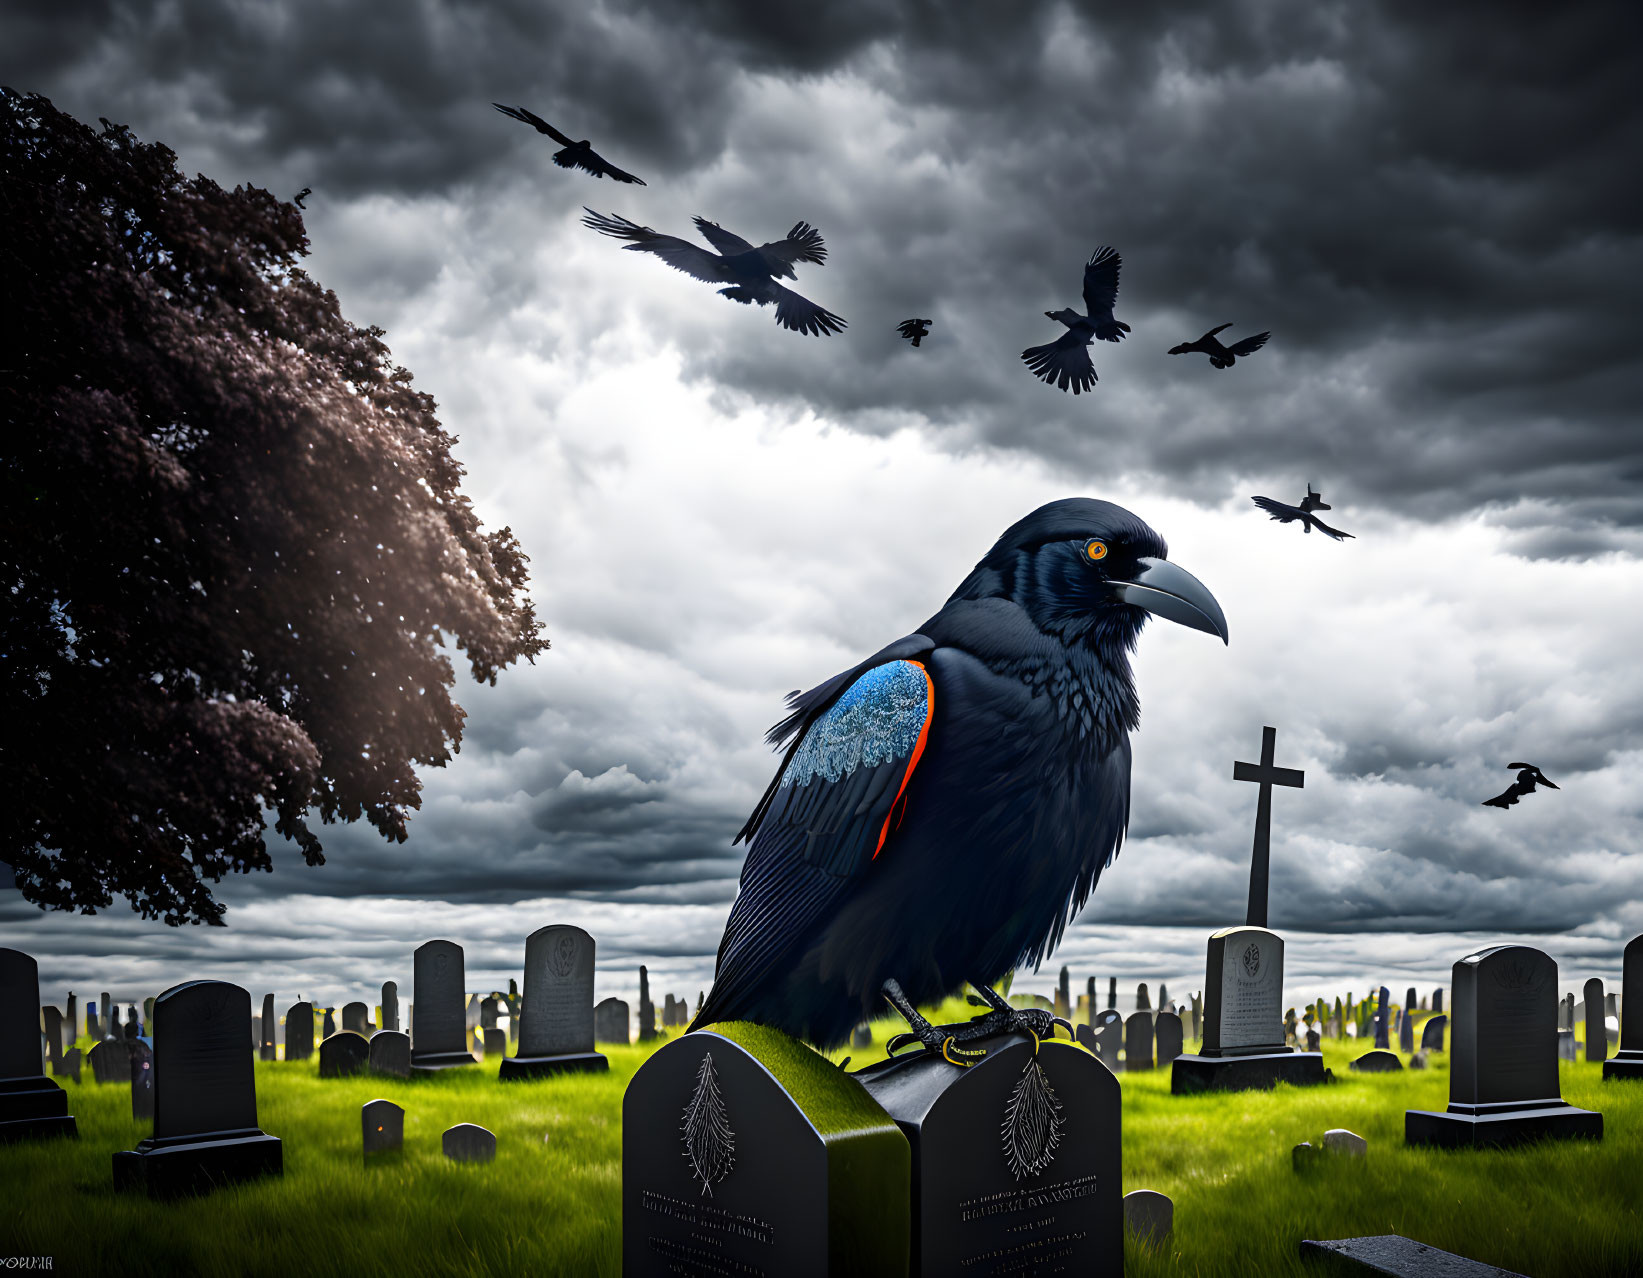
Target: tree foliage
(235,545)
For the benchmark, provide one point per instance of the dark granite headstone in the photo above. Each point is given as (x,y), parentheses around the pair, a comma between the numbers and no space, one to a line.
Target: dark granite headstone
(1566,1013)
(1392,1256)
(1106,1040)
(1089,1002)
(329,1025)
(1406,1025)
(105,1013)
(669,1016)
(390,1005)
(299,1031)
(382,1124)
(270,1027)
(469,1143)
(69,1066)
(488,1011)
(32,1107)
(344,1054)
(647,1009)
(440,1040)
(1016,1159)
(1064,994)
(496,1044)
(110,1062)
(1314,1039)
(1597,1039)
(1383,1026)
(389,1052)
(54,1034)
(1142,1002)
(1112,992)
(1164,1005)
(1628,1062)
(557,1034)
(71,1021)
(113,1030)
(610,1021)
(1168,1037)
(93,1030)
(1437,1000)
(356,1019)
(744,1152)
(1432,1033)
(1138,1041)
(1503,1081)
(1377,1062)
(205,1096)
(1149,1215)
(142,1079)
(1243,1036)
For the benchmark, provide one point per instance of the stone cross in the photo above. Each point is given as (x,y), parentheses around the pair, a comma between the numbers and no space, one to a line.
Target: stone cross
(1267,776)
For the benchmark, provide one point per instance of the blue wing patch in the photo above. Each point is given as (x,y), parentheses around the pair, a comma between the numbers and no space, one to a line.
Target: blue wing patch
(878,719)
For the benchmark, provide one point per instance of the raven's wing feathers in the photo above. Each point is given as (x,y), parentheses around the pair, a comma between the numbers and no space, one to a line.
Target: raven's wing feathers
(1324,528)
(803,244)
(1064,362)
(1249,345)
(681,255)
(802,315)
(536,121)
(1101,281)
(727,242)
(1278,510)
(596,164)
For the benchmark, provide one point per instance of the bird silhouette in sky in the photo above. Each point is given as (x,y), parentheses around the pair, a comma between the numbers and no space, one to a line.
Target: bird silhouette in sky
(945,807)
(749,273)
(1528,776)
(1289,514)
(915,330)
(1065,362)
(1221,356)
(576,155)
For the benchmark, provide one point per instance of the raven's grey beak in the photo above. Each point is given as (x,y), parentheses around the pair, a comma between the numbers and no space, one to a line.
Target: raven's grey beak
(1162,588)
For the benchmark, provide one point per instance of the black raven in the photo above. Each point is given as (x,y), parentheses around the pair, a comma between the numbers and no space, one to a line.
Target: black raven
(1065,362)
(1289,514)
(946,806)
(1527,777)
(576,155)
(915,330)
(749,272)
(1221,356)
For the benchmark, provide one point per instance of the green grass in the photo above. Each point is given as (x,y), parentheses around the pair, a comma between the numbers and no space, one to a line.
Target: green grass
(551,1204)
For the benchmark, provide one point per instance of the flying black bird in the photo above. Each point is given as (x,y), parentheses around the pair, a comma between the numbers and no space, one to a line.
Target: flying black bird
(1527,777)
(749,272)
(1065,362)
(915,329)
(1221,356)
(946,806)
(302,195)
(576,155)
(1289,514)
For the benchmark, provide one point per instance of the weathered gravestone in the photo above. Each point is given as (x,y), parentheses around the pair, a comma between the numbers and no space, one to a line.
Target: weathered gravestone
(1432,1033)
(1137,1041)
(356,1019)
(1628,1062)
(329,1026)
(468,1143)
(647,1009)
(496,1044)
(1112,992)
(1143,1002)
(1383,1028)
(1314,1039)
(1392,1256)
(1503,1083)
(142,1079)
(1016,1159)
(270,1026)
(105,1013)
(54,1033)
(69,1066)
(1167,1034)
(390,1005)
(745,1152)
(1406,1024)
(670,1017)
(71,1022)
(1064,995)
(557,1034)
(1437,1000)
(1089,999)
(205,1096)
(440,1039)
(382,1124)
(1243,1035)
(110,1062)
(1149,1215)
(1597,1038)
(488,1012)
(299,1031)
(610,1021)
(389,1052)
(92,1029)
(344,1055)
(1106,1039)
(1377,1062)
(32,1107)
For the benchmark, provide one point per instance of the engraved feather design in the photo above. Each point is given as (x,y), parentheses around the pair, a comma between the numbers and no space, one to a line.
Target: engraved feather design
(710,1145)
(1032,1123)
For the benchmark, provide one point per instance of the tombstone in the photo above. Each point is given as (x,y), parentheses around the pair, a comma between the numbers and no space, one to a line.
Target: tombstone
(1064,994)
(105,1013)
(1503,1082)
(1016,1157)
(32,1107)
(356,1019)
(469,1142)
(1112,992)
(1149,1215)
(1137,1042)
(132,1022)
(267,1050)
(1437,1000)
(69,1066)
(557,1034)
(742,1144)
(487,1012)
(54,1033)
(1339,1020)
(1089,1001)
(514,1006)
(142,1079)
(1378,1061)
(1393,1256)
(1164,1005)
(1142,1002)
(382,1123)
(1628,1061)
(441,1037)
(330,1024)
(1197,1001)
(1243,1036)
(1106,1039)
(71,1019)
(1383,1025)
(205,1097)
(111,1024)
(647,1009)
(610,1021)
(496,1044)
(344,1054)
(390,1005)
(1566,1050)
(1597,1039)
(1167,1032)
(110,1062)
(1566,1013)
(299,1031)
(389,1052)
(861,1036)
(1432,1033)
(668,1017)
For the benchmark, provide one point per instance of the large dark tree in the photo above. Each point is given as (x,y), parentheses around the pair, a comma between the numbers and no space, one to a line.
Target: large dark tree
(235,544)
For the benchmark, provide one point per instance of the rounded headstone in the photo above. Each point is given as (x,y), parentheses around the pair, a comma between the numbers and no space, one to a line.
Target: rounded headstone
(390,1053)
(1339,1140)
(382,1125)
(1149,1215)
(344,1054)
(468,1143)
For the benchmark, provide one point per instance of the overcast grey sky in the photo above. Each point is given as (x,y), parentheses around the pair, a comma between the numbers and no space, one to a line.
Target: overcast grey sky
(1434,209)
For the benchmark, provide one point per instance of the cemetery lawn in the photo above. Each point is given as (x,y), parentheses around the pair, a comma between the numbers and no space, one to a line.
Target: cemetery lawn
(551,1202)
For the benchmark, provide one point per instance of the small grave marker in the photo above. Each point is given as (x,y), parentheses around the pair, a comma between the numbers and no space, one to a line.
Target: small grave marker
(343,1055)
(468,1143)
(382,1127)
(389,1052)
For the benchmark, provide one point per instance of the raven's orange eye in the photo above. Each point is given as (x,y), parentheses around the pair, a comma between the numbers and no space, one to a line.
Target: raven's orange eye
(1094,550)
